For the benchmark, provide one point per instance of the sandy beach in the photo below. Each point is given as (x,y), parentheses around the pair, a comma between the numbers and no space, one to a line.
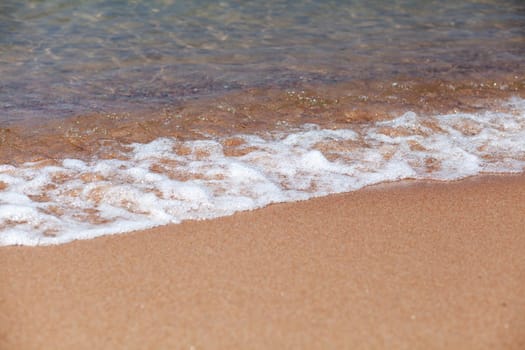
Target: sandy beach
(262,175)
(396,266)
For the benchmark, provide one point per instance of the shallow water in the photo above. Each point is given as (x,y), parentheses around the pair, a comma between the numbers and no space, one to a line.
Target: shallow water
(122,115)
(64,58)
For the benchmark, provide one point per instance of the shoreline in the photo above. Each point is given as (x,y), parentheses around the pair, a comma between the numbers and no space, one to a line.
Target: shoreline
(400,265)
(141,185)
(256,111)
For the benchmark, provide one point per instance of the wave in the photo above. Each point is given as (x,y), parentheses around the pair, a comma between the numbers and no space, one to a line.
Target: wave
(169,180)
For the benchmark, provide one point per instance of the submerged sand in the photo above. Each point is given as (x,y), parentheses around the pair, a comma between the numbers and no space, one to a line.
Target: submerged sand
(104,135)
(406,266)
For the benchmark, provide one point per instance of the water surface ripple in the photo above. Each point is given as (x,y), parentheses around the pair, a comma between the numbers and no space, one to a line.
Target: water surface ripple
(63,57)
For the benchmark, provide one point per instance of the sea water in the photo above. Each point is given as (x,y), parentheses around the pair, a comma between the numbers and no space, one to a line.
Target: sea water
(123,115)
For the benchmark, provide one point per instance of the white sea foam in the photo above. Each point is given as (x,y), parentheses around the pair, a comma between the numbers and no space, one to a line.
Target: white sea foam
(167,181)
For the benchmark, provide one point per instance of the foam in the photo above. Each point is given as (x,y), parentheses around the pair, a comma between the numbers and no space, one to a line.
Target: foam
(168,181)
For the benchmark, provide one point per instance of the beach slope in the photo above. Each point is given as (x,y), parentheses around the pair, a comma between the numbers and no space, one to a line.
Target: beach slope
(396,266)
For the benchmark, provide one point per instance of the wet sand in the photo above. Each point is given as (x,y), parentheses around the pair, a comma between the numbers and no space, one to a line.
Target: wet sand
(399,266)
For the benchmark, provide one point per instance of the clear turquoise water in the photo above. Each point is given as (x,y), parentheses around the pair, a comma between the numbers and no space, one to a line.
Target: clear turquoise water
(60,58)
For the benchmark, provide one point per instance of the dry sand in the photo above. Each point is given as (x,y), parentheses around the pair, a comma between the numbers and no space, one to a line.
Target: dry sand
(417,266)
